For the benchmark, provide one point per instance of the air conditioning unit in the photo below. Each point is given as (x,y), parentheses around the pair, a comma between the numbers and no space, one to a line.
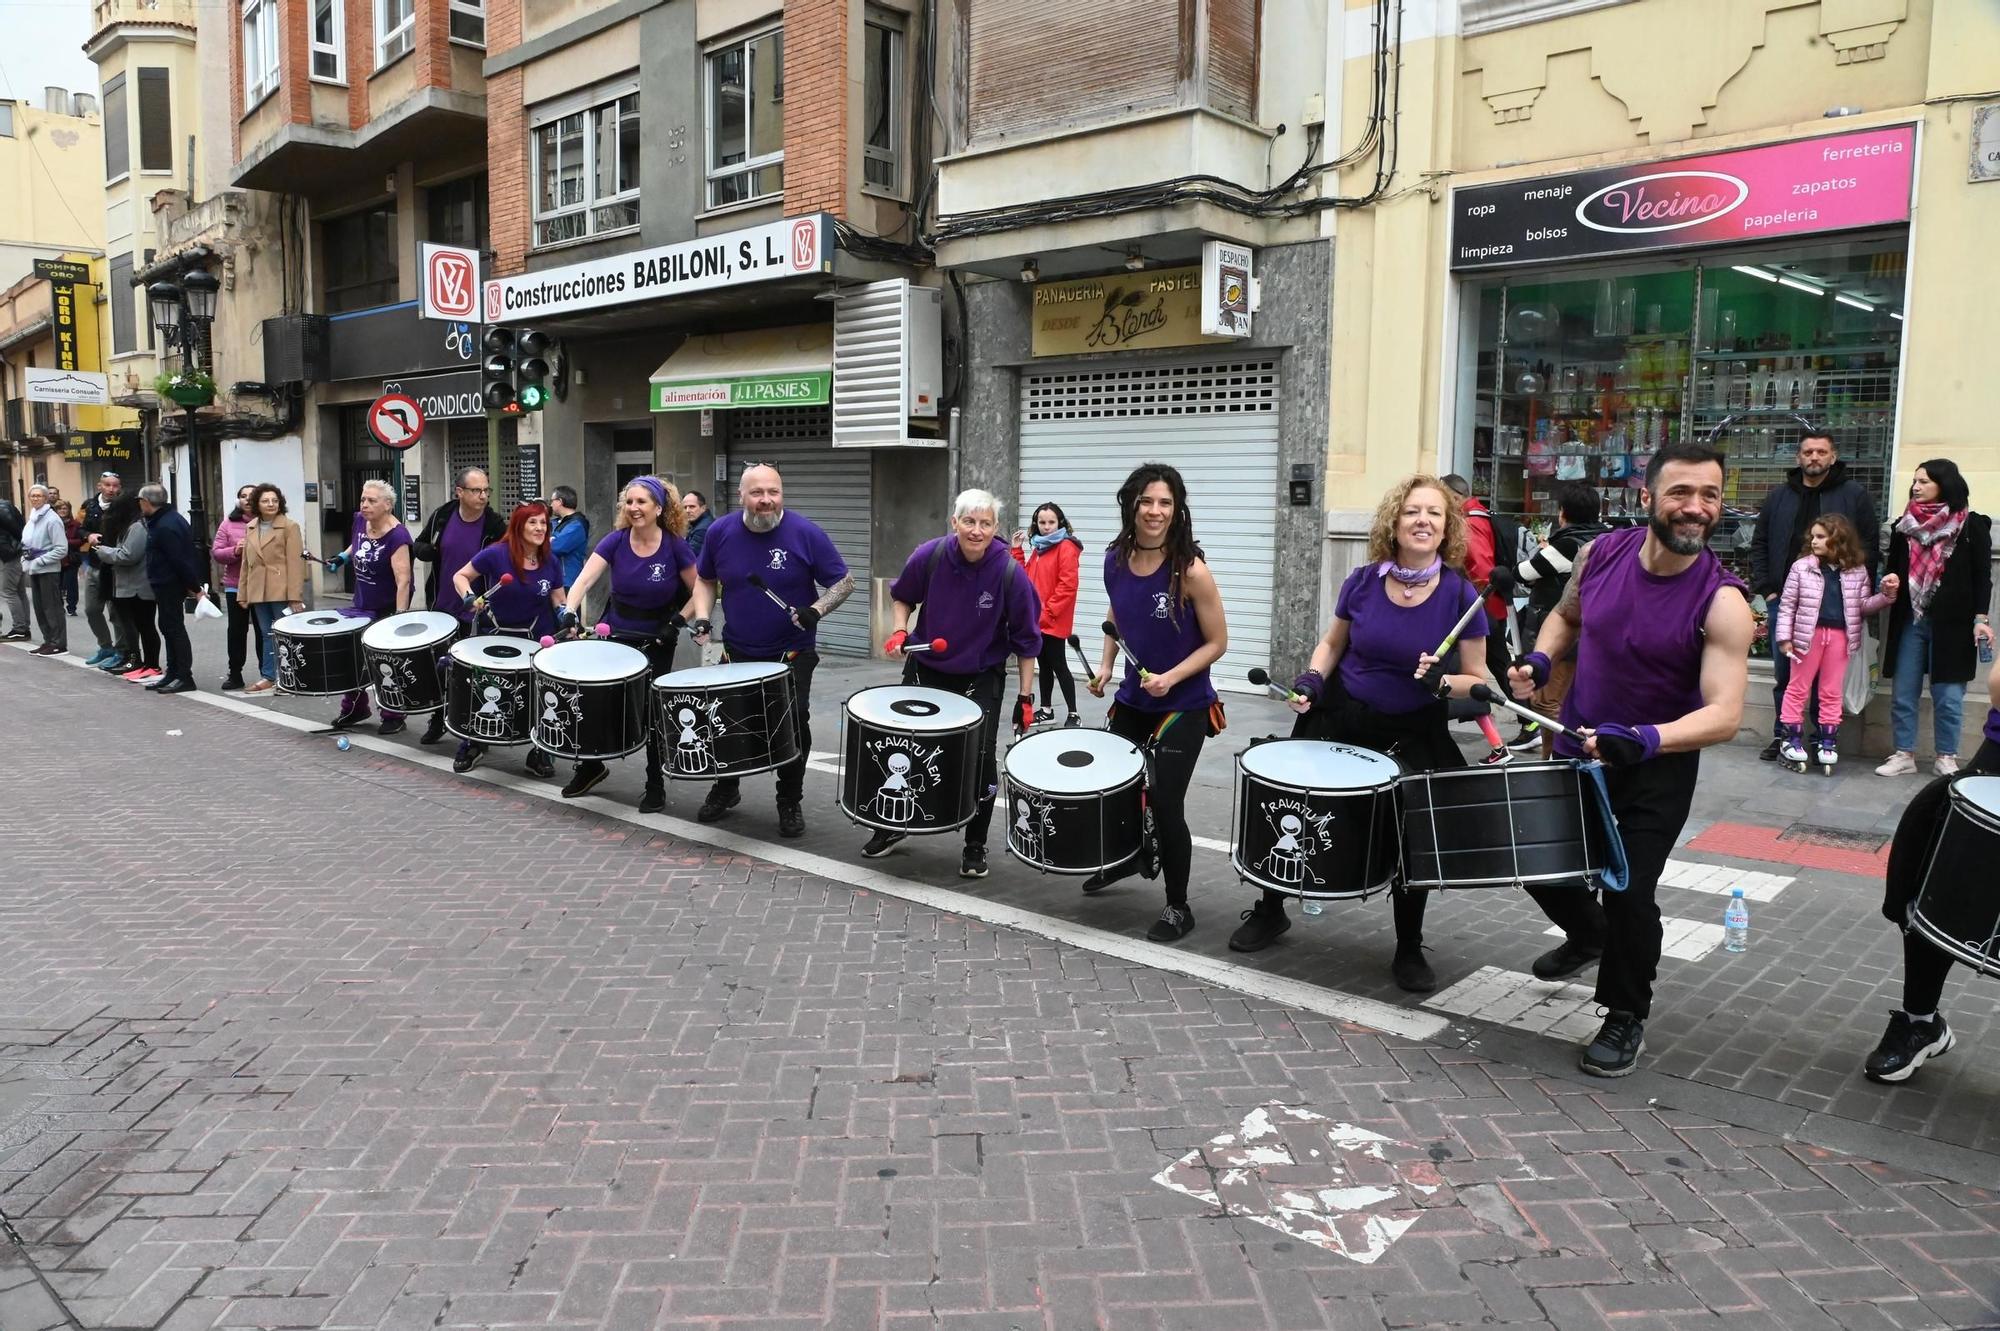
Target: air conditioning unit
(888,366)
(295,349)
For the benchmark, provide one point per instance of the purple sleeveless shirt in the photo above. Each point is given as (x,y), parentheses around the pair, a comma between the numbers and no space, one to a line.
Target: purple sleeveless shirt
(1157,634)
(1638,655)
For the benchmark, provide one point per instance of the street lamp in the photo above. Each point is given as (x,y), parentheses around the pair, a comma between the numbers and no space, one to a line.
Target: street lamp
(183,311)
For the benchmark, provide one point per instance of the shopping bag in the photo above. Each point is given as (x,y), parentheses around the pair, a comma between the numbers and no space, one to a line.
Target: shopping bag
(1860,683)
(205,608)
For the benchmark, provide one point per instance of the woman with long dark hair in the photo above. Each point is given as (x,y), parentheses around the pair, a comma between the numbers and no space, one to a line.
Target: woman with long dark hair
(523,606)
(1168,613)
(120,545)
(1940,551)
(1052,553)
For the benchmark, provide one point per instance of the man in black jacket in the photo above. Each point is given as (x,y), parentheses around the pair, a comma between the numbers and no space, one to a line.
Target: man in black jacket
(1546,575)
(113,640)
(451,536)
(1817,486)
(176,568)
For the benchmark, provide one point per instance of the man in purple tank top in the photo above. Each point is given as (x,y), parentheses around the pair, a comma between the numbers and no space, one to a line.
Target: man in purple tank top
(1661,636)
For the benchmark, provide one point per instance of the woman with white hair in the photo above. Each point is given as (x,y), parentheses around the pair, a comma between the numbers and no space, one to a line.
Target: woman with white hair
(978,600)
(380,553)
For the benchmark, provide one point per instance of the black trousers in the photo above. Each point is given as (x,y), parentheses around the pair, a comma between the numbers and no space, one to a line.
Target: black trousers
(1172,741)
(174,635)
(141,622)
(792,776)
(985,689)
(242,627)
(1053,668)
(1650,802)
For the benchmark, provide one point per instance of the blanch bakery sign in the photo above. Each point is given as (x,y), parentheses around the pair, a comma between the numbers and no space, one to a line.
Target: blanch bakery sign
(1836,182)
(788,248)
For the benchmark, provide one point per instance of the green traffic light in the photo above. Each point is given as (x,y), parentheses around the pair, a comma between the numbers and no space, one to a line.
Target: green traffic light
(533,397)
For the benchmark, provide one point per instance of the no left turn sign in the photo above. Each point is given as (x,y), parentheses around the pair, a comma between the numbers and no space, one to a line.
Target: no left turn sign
(396,420)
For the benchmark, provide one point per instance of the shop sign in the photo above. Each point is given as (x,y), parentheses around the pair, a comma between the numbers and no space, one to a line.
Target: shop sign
(413,498)
(76,448)
(443,397)
(1225,289)
(530,473)
(810,388)
(451,283)
(100,446)
(730,259)
(1119,312)
(90,388)
(396,340)
(62,270)
(1833,183)
(1986,143)
(62,310)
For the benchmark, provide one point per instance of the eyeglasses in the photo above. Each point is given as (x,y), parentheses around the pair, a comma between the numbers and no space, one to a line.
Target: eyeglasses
(476,489)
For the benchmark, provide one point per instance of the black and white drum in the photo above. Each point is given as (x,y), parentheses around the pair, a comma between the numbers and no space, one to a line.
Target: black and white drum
(590,700)
(910,759)
(1075,800)
(319,653)
(488,681)
(1958,907)
(733,719)
(400,657)
(1502,827)
(1315,819)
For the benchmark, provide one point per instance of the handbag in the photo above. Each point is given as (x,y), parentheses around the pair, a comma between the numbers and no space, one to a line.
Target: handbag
(1859,685)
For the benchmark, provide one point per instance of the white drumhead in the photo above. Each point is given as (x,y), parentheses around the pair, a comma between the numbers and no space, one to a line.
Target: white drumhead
(1074,762)
(1317,764)
(914,710)
(1981,792)
(591,662)
(411,630)
(728,672)
(318,624)
(494,652)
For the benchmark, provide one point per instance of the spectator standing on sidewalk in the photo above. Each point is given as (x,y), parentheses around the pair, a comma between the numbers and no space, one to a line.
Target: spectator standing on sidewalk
(695,504)
(1052,554)
(1818,485)
(73,538)
(227,552)
(43,548)
(13,582)
(1546,576)
(270,581)
(451,536)
(569,534)
(99,584)
(174,567)
(120,546)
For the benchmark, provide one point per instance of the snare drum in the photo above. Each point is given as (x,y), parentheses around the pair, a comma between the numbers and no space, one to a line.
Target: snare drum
(319,653)
(910,759)
(590,700)
(1502,827)
(733,719)
(1075,800)
(487,684)
(1315,819)
(401,655)
(1958,906)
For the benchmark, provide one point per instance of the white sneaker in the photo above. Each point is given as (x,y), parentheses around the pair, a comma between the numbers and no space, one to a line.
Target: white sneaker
(1946,764)
(1792,751)
(1899,764)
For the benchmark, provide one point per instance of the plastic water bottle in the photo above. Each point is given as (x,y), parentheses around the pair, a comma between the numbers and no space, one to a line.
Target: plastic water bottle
(1736,923)
(1312,906)
(342,744)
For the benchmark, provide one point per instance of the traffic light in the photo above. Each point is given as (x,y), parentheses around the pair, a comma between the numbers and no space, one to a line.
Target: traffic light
(498,370)
(533,369)
(516,370)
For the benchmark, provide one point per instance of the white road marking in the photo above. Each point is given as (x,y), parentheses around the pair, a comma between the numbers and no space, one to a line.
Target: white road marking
(1684,940)
(1718,879)
(1511,998)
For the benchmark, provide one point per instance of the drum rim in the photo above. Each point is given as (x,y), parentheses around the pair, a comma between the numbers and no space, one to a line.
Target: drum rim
(1582,877)
(1065,871)
(1137,778)
(449,625)
(1337,792)
(1961,803)
(1506,770)
(1388,782)
(570,755)
(777,669)
(640,670)
(529,647)
(1236,862)
(1007,773)
(978,716)
(1955,947)
(316,693)
(343,624)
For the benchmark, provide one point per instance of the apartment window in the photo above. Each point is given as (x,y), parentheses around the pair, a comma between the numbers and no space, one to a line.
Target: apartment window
(329,41)
(468,21)
(124,312)
(882,113)
(117,149)
(6,120)
(359,249)
(395,30)
(260,51)
(156,121)
(746,119)
(587,172)
(457,213)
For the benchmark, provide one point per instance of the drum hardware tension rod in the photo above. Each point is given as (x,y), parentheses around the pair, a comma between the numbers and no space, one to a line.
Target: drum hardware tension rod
(1486,693)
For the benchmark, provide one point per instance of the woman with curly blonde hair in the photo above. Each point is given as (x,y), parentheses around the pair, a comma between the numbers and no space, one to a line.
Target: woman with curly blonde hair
(1375,681)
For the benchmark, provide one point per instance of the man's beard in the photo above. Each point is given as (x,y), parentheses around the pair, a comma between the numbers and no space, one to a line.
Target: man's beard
(761,522)
(1674,541)
(1816,468)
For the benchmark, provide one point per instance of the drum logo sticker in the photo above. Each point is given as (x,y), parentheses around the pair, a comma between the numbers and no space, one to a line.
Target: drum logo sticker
(1298,835)
(496,700)
(908,771)
(393,680)
(291,660)
(1034,823)
(697,723)
(561,718)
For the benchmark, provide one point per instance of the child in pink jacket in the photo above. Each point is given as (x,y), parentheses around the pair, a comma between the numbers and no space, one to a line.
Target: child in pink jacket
(1819,624)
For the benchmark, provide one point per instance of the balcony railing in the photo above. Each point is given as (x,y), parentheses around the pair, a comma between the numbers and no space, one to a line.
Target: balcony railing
(48,420)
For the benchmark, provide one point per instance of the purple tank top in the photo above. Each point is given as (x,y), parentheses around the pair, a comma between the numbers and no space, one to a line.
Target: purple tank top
(1157,634)
(1638,658)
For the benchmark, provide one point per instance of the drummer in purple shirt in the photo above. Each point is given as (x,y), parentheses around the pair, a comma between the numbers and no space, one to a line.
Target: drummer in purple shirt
(513,588)
(982,605)
(652,575)
(797,564)
(451,536)
(380,554)
(1661,633)
(1375,682)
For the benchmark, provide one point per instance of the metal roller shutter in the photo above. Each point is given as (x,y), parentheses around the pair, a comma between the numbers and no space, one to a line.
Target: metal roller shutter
(465,446)
(1083,430)
(831,488)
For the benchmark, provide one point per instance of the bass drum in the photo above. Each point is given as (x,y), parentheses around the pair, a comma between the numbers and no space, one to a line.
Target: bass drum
(909,759)
(1076,800)
(319,653)
(1503,827)
(1957,907)
(401,655)
(1315,819)
(487,685)
(590,700)
(733,719)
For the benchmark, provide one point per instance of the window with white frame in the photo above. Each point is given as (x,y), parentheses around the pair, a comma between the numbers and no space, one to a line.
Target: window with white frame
(395,29)
(329,41)
(746,119)
(587,171)
(882,102)
(260,50)
(468,22)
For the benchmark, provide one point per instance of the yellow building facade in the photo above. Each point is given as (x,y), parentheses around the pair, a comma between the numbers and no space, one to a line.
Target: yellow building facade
(59,443)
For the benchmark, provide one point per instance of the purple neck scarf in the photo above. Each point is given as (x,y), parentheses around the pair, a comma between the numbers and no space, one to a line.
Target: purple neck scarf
(1409,577)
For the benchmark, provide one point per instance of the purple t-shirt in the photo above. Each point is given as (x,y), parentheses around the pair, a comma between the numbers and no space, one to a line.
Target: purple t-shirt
(1385,636)
(985,612)
(1158,635)
(795,559)
(523,605)
(374,578)
(645,589)
(1993,724)
(457,544)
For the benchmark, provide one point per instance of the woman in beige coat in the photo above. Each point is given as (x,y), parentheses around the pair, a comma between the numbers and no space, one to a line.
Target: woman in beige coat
(272,581)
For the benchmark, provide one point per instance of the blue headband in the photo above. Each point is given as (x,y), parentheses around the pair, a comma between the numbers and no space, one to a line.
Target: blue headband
(654,486)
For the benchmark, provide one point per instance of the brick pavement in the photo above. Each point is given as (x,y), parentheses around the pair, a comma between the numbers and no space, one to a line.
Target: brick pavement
(352,1043)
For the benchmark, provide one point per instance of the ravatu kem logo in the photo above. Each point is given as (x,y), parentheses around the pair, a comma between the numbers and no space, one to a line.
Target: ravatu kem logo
(1662,201)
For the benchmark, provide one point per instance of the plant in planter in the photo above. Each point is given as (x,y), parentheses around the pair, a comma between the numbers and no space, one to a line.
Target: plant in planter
(189,388)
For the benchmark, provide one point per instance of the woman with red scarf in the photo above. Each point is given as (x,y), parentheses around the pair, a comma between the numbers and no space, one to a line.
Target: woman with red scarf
(1940,549)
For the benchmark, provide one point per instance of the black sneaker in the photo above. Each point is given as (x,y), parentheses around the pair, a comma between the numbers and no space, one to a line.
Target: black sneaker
(654,800)
(1769,753)
(1072,722)
(1262,924)
(434,732)
(349,720)
(1104,878)
(791,820)
(587,777)
(1564,960)
(1615,1051)
(1906,1045)
(232,682)
(718,803)
(469,756)
(538,763)
(972,864)
(395,727)
(1411,972)
(1174,924)
(1045,716)
(1529,738)
(881,843)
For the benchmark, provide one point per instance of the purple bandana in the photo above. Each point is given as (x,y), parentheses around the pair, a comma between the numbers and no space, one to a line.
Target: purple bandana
(1409,577)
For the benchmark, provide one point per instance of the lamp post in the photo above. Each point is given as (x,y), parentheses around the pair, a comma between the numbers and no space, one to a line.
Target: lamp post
(183,311)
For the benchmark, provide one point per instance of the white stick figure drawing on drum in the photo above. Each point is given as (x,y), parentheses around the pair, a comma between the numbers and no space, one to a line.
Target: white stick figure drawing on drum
(1286,860)
(895,801)
(554,727)
(1031,825)
(392,679)
(691,748)
(490,721)
(289,661)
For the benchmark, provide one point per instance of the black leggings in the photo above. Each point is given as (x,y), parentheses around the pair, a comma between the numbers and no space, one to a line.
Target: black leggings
(1053,666)
(1173,743)
(141,620)
(1925,968)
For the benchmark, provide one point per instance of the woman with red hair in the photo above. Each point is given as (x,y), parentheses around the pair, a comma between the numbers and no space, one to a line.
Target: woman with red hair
(520,589)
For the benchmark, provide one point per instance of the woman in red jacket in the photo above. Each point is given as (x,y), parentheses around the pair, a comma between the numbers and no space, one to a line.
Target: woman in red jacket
(1050,556)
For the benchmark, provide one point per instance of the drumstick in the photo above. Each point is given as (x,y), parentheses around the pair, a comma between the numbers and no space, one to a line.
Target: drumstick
(1487,694)
(1451,638)
(1262,678)
(1111,632)
(777,600)
(1077,643)
(934,645)
(479,602)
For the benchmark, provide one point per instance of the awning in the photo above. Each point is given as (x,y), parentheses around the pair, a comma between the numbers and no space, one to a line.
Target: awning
(761,367)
